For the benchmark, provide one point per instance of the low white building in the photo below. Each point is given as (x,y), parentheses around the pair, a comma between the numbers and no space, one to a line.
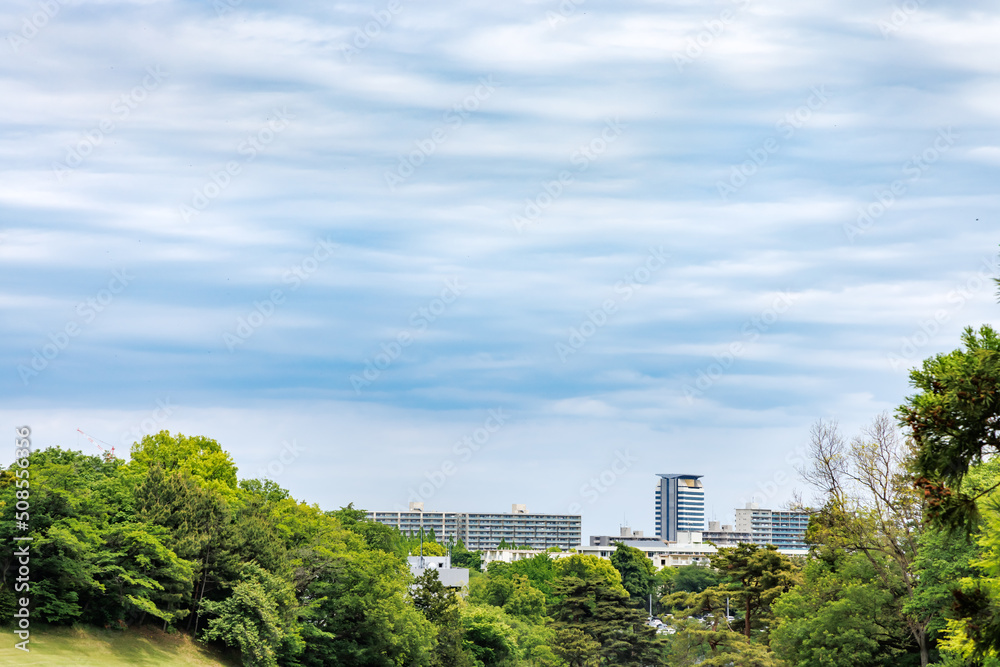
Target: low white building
(687,550)
(514,555)
(451,577)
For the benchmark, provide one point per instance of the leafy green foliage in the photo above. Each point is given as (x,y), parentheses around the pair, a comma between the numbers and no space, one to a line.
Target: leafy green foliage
(702,631)
(140,574)
(637,573)
(462,557)
(749,579)
(441,606)
(840,616)
(598,609)
(490,635)
(428,549)
(199,457)
(693,578)
(171,538)
(376,535)
(256,618)
(754,577)
(586,567)
(357,608)
(955,422)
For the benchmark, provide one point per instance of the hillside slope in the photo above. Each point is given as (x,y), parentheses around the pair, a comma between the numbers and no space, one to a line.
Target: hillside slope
(93,647)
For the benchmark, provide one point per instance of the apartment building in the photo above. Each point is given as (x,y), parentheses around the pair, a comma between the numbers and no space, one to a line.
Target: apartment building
(785,529)
(482,531)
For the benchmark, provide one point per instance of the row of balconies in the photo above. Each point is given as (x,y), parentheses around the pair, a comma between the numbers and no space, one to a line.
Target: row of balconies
(451,516)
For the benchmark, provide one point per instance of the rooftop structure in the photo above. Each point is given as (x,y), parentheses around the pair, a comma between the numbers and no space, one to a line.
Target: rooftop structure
(626,534)
(725,535)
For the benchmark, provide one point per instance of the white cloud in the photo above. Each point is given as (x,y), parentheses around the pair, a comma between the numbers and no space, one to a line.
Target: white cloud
(324,177)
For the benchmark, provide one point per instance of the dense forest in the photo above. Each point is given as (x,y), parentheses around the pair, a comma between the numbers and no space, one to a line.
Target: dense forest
(904,568)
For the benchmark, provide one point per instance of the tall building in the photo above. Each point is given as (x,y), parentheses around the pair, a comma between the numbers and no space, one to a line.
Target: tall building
(680,505)
(785,529)
(480,531)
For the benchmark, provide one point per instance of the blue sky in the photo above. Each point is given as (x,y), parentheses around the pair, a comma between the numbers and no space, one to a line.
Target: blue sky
(650,237)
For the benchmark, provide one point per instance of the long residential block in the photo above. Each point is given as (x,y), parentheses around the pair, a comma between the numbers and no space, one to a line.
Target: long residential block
(482,531)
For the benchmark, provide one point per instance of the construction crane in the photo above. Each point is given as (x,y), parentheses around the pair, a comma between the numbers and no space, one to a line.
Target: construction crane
(108,455)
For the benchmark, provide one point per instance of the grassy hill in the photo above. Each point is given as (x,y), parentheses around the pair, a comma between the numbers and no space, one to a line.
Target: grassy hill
(93,647)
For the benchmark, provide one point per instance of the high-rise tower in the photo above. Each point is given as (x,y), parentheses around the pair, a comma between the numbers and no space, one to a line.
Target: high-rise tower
(680,505)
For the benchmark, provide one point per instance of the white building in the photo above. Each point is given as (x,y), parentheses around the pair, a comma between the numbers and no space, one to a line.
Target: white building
(452,577)
(689,549)
(514,555)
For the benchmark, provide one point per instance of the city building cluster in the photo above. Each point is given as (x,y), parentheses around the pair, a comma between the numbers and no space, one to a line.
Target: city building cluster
(682,535)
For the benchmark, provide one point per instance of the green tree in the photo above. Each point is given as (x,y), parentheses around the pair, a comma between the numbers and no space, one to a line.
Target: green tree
(199,457)
(440,606)
(637,572)
(944,560)
(576,647)
(462,557)
(356,604)
(525,601)
(841,616)
(694,578)
(595,607)
(972,631)
(754,576)
(952,420)
(376,535)
(702,632)
(270,491)
(68,515)
(140,575)
(200,523)
(66,569)
(585,567)
(537,644)
(258,618)
(872,507)
(496,587)
(429,549)
(489,635)
(255,533)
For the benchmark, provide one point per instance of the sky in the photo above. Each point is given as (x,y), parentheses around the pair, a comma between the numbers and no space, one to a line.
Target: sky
(480,253)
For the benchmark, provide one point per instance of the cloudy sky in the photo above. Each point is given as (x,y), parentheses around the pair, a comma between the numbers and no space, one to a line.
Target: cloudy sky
(483,253)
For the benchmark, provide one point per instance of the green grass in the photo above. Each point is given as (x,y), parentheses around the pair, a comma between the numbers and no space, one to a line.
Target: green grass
(94,647)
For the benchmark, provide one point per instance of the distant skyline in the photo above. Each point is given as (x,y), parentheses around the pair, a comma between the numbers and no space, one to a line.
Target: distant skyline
(529,252)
